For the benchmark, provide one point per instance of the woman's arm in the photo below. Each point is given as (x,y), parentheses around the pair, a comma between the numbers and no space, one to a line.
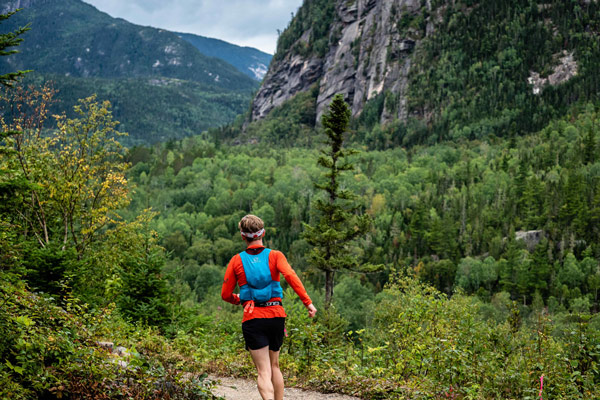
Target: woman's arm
(229,282)
(292,279)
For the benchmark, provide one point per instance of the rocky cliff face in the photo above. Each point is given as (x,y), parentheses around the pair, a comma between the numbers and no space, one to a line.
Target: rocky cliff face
(371,42)
(12,5)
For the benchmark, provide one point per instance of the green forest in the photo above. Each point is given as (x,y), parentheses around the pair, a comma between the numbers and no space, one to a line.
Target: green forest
(149,109)
(479,250)
(488,50)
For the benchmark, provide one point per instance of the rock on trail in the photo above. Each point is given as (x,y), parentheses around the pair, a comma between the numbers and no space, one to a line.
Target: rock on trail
(243,389)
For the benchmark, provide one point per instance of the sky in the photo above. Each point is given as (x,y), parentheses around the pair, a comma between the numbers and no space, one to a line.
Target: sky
(251,23)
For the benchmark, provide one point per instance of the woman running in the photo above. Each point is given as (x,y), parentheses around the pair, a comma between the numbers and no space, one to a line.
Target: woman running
(256,271)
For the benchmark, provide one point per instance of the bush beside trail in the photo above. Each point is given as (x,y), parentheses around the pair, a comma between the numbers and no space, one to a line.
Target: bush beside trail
(420,344)
(54,351)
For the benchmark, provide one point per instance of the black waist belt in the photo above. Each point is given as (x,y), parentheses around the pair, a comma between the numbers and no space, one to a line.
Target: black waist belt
(268,304)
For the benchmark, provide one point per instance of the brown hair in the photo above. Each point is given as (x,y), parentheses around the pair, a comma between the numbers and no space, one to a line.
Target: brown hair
(251,223)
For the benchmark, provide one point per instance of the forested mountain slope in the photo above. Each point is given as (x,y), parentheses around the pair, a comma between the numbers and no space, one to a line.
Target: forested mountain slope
(84,51)
(150,110)
(440,69)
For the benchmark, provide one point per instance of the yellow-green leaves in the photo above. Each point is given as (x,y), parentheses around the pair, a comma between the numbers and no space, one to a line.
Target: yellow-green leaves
(76,170)
(24,321)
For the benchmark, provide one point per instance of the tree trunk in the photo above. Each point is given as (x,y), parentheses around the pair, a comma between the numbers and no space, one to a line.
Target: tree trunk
(328,288)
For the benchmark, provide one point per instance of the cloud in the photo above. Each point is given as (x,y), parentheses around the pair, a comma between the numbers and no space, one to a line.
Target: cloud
(245,22)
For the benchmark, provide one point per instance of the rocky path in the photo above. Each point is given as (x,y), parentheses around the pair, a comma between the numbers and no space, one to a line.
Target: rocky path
(243,389)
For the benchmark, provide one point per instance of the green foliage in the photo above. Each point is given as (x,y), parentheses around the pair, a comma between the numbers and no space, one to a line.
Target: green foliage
(48,269)
(61,232)
(208,278)
(354,301)
(143,292)
(12,184)
(66,223)
(442,347)
(474,274)
(420,344)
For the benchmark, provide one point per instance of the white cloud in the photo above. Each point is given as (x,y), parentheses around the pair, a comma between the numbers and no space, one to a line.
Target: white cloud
(244,22)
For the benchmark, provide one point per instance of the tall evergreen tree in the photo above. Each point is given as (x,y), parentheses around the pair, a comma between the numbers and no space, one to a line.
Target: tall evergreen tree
(590,148)
(10,187)
(8,40)
(339,222)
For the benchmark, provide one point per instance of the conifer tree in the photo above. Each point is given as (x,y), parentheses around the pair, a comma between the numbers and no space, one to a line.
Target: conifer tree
(8,40)
(590,147)
(338,222)
(9,185)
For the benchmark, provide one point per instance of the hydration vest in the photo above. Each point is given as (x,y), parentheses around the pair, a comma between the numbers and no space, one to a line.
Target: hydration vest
(260,286)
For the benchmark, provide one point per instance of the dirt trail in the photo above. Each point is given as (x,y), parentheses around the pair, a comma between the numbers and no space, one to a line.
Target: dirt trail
(243,389)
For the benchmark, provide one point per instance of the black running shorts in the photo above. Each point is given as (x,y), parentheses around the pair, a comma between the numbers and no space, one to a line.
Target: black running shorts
(261,332)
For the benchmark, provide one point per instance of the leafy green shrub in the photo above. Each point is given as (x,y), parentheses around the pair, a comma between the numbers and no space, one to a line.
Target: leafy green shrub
(53,352)
(433,344)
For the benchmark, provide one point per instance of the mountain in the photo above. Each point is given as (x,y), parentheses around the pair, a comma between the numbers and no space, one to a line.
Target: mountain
(439,68)
(85,51)
(250,61)
(73,38)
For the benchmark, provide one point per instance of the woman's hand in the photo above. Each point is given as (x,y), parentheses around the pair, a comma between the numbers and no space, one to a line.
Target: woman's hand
(311,310)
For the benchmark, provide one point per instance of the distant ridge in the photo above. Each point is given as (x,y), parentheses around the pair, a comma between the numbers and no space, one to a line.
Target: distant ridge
(249,60)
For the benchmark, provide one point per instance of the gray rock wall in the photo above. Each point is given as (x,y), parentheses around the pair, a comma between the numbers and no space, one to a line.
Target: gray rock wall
(371,55)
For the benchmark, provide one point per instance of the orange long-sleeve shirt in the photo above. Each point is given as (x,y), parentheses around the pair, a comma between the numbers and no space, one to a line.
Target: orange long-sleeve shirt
(234,275)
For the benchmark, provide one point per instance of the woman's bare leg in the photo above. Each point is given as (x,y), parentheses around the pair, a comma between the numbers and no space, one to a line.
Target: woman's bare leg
(276,375)
(263,366)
